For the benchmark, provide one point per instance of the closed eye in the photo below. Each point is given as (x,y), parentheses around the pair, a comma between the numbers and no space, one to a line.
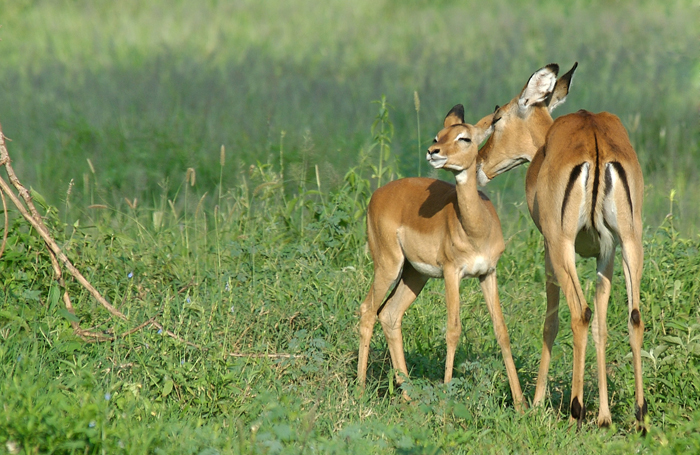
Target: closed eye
(465,139)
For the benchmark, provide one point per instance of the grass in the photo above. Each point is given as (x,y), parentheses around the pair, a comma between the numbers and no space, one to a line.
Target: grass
(256,257)
(126,85)
(273,313)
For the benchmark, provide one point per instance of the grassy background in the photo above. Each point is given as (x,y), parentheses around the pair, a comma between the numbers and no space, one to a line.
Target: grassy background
(147,89)
(261,262)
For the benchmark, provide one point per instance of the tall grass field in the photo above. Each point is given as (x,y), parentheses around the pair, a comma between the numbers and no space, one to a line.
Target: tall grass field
(207,165)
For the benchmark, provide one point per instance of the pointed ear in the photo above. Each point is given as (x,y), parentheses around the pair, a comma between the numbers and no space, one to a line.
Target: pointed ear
(483,129)
(455,116)
(561,89)
(485,122)
(539,86)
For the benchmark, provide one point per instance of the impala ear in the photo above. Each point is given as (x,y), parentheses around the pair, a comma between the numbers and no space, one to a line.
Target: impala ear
(483,129)
(561,89)
(539,86)
(455,116)
(485,122)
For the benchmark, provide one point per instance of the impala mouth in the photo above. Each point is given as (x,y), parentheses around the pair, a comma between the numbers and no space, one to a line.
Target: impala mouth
(510,165)
(436,161)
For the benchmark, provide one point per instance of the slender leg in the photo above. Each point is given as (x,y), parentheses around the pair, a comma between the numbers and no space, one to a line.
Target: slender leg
(564,265)
(550,331)
(384,278)
(454,323)
(490,289)
(632,257)
(391,315)
(600,334)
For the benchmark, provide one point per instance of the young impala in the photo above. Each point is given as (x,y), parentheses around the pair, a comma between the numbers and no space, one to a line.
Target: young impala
(584,191)
(421,228)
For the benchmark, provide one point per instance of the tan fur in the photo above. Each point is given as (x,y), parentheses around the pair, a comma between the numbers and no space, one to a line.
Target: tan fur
(418,228)
(584,191)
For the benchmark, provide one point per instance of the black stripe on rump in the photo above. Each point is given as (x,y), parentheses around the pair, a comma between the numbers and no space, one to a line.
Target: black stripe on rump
(623,176)
(575,173)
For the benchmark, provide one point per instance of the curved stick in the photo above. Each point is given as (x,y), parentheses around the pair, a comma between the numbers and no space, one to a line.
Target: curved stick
(4,235)
(35,220)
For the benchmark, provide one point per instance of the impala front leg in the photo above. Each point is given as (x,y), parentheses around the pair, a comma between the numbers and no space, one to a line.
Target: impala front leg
(550,331)
(490,289)
(454,323)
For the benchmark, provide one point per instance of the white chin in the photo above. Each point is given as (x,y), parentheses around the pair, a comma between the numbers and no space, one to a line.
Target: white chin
(437,164)
(481,178)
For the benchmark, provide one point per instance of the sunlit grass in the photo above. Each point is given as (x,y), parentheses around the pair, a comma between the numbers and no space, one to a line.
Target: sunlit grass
(260,261)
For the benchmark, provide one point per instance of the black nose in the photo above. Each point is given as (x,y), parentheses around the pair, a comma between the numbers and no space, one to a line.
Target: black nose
(433,151)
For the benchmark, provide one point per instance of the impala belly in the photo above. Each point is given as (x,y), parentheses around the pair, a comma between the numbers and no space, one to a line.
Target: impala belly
(427,269)
(420,251)
(477,266)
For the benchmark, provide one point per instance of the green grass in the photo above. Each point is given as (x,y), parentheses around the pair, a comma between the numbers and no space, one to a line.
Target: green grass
(261,263)
(273,313)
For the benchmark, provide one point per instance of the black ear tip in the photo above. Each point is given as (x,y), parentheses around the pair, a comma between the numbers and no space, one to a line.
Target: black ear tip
(496,108)
(569,74)
(458,110)
(553,67)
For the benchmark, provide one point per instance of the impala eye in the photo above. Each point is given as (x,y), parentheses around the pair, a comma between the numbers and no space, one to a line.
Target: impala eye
(465,139)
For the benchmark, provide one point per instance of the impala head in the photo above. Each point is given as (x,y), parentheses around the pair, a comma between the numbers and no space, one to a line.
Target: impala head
(456,146)
(520,127)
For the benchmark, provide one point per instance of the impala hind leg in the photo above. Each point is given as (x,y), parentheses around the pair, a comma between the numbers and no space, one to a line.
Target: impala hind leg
(490,289)
(550,331)
(632,257)
(391,316)
(385,277)
(564,265)
(600,334)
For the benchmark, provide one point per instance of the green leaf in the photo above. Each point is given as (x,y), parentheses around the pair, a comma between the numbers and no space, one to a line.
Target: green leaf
(54,295)
(672,340)
(462,412)
(68,315)
(167,387)
(38,198)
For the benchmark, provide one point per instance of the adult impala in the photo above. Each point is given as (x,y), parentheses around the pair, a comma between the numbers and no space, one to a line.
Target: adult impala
(584,191)
(421,228)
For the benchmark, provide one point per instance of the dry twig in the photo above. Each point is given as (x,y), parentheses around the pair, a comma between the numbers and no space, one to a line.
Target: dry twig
(30,213)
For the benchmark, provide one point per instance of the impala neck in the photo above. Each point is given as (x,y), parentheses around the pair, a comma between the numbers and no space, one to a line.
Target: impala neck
(473,215)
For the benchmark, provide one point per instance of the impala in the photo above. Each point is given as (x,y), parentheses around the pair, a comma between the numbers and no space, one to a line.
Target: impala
(422,228)
(584,191)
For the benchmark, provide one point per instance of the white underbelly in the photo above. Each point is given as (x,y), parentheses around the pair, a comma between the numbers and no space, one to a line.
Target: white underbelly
(427,269)
(478,266)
